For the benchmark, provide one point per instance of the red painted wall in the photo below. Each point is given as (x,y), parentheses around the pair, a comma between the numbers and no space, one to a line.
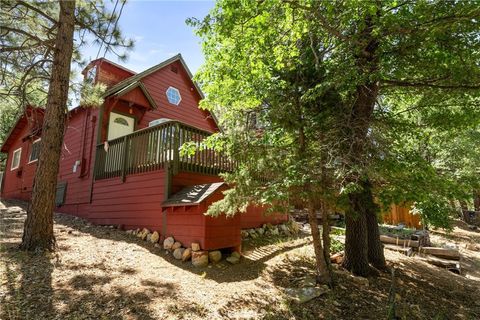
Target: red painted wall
(17,183)
(255,217)
(79,147)
(187,111)
(136,203)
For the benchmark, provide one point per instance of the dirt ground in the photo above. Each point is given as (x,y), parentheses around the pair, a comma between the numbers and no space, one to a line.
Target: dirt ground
(103,273)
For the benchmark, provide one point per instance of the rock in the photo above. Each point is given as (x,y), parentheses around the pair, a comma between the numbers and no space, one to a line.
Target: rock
(14,210)
(305,294)
(178,253)
(187,254)
(473,247)
(283,228)
(195,246)
(176,245)
(233,260)
(156,245)
(155,237)
(215,256)
(275,231)
(149,237)
(136,232)
(168,243)
(260,231)
(245,234)
(143,235)
(360,280)
(236,254)
(129,232)
(200,258)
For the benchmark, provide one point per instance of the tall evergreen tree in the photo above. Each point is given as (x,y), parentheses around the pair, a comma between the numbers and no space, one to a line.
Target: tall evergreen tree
(36,50)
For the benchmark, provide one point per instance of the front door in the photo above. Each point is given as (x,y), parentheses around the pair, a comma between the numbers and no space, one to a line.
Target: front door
(120,125)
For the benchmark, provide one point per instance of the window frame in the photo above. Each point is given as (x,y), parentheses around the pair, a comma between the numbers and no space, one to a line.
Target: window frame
(19,150)
(179,95)
(31,149)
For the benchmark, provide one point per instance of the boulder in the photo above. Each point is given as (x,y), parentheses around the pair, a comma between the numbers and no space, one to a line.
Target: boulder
(143,235)
(178,253)
(155,237)
(283,228)
(275,231)
(233,260)
(149,237)
(302,295)
(195,246)
(168,243)
(236,254)
(215,256)
(176,245)
(200,258)
(187,254)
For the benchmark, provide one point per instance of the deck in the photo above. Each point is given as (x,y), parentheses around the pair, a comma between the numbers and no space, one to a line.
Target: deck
(155,148)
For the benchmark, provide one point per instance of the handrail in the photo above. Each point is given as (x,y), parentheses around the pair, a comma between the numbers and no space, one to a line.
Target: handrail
(151,148)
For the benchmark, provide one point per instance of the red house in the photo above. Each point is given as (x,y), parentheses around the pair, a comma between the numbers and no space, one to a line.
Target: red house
(121,163)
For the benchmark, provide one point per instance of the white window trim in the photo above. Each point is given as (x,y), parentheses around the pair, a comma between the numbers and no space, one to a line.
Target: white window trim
(13,158)
(30,156)
(178,91)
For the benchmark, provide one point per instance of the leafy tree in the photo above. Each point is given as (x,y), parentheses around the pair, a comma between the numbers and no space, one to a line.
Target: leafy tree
(371,51)
(37,48)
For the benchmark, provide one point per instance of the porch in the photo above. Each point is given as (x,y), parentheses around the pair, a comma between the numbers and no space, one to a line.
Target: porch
(156,148)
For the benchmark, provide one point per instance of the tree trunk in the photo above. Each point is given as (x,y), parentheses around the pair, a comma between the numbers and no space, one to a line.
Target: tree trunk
(323,274)
(356,240)
(38,229)
(375,247)
(326,236)
(356,244)
(476,200)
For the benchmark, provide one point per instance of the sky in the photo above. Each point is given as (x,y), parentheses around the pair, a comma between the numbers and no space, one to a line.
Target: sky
(160,32)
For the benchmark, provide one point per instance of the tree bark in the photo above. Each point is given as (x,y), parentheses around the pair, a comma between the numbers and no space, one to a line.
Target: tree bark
(376,255)
(476,200)
(356,243)
(326,236)
(38,229)
(323,273)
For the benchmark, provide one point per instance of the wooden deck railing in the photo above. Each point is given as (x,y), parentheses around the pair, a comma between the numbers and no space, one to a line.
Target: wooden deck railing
(152,148)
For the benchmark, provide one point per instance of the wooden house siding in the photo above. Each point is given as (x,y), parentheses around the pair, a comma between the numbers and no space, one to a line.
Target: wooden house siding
(78,147)
(187,111)
(17,183)
(135,203)
(255,217)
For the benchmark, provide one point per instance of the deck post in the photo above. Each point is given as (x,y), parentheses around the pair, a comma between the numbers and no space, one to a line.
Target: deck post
(176,147)
(125,158)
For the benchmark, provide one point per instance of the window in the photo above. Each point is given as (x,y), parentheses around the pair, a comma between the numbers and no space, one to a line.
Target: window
(121,121)
(173,96)
(16,159)
(35,152)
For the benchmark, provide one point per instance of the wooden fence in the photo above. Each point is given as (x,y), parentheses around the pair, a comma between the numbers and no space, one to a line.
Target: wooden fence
(152,148)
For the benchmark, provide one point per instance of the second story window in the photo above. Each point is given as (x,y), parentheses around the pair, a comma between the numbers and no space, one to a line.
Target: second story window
(35,152)
(16,159)
(173,96)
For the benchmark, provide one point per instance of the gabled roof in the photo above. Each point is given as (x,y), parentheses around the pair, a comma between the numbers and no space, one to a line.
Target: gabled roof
(19,125)
(192,195)
(130,87)
(151,70)
(137,77)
